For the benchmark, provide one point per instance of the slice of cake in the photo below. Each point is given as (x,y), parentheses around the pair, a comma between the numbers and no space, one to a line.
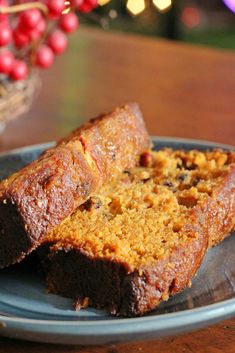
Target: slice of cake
(143,236)
(41,195)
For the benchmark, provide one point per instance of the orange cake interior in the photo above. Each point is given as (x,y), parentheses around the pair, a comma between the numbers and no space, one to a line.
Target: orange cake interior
(140,217)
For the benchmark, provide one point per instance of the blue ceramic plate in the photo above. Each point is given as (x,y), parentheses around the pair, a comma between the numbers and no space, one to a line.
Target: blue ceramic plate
(28,312)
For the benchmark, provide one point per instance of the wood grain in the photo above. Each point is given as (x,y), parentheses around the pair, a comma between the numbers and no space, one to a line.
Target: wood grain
(184,91)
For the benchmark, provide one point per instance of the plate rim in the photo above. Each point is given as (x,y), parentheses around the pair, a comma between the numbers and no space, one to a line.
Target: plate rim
(153,137)
(192,316)
(224,304)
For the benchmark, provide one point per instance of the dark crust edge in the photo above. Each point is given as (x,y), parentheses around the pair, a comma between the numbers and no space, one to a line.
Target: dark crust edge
(130,292)
(15,242)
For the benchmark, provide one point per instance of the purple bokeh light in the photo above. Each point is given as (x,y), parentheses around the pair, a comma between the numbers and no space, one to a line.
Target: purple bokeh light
(230,4)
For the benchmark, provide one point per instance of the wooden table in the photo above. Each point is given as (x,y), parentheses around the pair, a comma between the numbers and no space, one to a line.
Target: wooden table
(183,91)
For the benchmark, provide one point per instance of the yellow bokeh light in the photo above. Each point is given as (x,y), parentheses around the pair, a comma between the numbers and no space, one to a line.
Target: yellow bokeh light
(135,7)
(103,2)
(162,5)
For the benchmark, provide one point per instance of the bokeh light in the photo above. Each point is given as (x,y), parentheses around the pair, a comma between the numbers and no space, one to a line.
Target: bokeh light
(162,5)
(230,4)
(135,7)
(191,17)
(103,2)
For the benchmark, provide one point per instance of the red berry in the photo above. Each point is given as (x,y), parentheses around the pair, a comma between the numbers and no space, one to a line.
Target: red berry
(55,7)
(69,22)
(3,3)
(85,8)
(6,62)
(30,18)
(5,34)
(77,3)
(21,39)
(35,35)
(92,3)
(58,42)
(3,16)
(19,70)
(44,57)
(41,27)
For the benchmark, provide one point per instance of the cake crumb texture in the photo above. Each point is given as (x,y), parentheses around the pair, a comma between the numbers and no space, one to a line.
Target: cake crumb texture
(143,236)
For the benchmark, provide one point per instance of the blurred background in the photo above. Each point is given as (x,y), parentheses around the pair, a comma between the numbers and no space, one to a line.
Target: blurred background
(177,86)
(208,22)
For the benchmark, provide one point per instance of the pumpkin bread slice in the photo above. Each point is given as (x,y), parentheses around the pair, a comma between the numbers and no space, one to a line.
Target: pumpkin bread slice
(44,193)
(142,237)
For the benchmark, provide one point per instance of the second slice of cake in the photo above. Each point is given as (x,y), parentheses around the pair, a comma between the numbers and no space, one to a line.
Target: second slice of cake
(143,236)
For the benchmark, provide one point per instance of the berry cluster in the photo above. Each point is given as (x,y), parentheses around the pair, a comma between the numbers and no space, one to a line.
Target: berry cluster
(32,33)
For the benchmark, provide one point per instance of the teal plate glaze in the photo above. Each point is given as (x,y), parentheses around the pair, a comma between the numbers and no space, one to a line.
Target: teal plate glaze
(28,312)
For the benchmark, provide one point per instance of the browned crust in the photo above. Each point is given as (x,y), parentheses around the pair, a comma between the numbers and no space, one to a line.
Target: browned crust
(130,292)
(48,190)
